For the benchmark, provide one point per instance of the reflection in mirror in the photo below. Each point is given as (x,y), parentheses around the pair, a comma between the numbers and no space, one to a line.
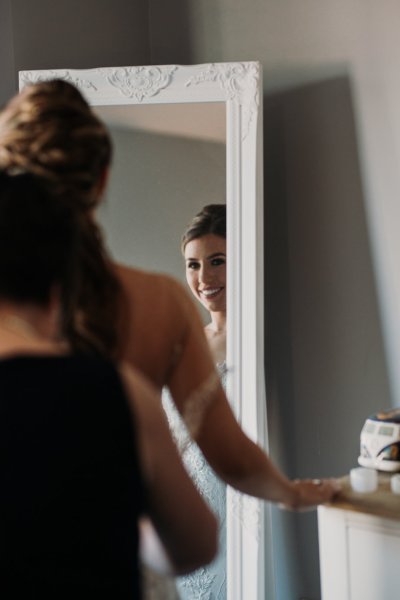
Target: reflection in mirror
(168,163)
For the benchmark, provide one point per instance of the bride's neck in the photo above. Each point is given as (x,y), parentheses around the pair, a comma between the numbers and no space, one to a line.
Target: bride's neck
(218,322)
(216,336)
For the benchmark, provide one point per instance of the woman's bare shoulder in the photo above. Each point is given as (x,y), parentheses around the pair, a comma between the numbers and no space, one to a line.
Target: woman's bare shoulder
(157,320)
(164,287)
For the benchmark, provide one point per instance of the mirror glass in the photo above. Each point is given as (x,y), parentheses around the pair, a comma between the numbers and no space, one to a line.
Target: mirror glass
(186,136)
(169,161)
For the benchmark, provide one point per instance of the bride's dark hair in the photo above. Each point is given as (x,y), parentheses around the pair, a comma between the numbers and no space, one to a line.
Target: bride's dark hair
(50,130)
(210,220)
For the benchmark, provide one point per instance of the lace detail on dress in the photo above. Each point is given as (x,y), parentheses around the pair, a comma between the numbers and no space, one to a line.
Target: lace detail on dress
(247,510)
(207,583)
(197,404)
(156,586)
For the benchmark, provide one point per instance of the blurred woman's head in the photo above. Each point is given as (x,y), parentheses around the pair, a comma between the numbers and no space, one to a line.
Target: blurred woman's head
(39,241)
(49,130)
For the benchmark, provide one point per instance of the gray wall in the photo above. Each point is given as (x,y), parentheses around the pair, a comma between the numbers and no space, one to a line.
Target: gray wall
(70,34)
(332,136)
(80,35)
(326,366)
(8,83)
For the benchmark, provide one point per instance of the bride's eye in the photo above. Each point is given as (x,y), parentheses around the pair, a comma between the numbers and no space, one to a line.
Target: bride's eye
(192,265)
(216,262)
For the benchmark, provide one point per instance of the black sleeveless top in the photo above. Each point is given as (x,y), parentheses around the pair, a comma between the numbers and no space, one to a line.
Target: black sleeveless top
(70,484)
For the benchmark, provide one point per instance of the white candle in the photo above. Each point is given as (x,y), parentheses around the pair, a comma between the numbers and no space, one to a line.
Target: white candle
(395,484)
(363,480)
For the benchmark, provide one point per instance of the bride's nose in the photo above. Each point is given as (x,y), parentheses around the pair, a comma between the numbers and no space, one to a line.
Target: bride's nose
(205,274)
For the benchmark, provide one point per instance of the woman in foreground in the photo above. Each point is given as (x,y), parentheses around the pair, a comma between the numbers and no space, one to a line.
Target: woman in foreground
(85,451)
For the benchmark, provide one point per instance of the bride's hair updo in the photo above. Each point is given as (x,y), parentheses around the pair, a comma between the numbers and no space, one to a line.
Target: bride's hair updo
(210,220)
(49,130)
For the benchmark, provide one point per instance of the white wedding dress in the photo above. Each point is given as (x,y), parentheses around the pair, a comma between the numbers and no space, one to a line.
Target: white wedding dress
(207,583)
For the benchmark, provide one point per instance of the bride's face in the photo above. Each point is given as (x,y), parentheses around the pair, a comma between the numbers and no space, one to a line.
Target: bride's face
(205,259)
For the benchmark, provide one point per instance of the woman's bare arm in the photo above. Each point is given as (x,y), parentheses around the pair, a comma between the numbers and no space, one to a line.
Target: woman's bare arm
(235,458)
(246,467)
(183,521)
(166,341)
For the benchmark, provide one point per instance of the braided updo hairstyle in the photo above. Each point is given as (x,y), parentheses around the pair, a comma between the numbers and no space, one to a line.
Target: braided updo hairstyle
(49,130)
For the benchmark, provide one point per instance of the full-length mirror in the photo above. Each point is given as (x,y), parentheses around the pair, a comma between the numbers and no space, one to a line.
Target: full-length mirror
(187,136)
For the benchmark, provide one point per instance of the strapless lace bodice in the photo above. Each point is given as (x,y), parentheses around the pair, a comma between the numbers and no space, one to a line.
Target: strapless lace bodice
(207,583)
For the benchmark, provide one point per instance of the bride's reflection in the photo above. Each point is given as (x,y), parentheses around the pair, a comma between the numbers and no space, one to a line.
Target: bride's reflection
(204,250)
(157,183)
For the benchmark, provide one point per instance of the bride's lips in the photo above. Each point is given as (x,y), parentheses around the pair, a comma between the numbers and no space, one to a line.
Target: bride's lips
(210,293)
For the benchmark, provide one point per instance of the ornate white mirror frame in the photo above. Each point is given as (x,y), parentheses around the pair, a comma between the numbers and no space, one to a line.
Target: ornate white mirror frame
(238,85)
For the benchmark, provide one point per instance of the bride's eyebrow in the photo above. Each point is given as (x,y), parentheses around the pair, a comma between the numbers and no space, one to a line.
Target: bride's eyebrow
(214,255)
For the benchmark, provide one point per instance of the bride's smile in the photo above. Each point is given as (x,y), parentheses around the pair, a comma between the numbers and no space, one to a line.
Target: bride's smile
(211,292)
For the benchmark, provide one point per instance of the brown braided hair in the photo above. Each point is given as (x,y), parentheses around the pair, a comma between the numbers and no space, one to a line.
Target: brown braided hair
(49,130)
